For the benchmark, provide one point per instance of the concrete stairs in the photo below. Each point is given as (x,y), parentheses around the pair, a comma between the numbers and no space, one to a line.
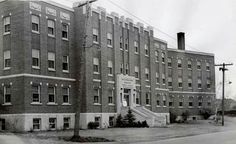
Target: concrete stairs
(141,114)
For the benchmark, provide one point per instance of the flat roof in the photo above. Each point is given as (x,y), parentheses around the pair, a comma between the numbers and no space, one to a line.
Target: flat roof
(190,52)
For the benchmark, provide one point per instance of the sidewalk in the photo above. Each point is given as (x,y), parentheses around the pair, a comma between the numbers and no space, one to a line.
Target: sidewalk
(128,135)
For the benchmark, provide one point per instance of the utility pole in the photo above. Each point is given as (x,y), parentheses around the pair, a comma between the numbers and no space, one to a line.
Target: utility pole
(82,64)
(223,69)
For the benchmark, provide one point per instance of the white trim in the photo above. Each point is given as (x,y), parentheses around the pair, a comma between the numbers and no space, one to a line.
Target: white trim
(37,76)
(33,114)
(186,92)
(161,89)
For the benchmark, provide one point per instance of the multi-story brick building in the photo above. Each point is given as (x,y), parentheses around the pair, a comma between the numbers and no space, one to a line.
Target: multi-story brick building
(123,64)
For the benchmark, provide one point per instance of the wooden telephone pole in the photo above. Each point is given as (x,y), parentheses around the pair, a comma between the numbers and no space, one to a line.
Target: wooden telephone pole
(223,69)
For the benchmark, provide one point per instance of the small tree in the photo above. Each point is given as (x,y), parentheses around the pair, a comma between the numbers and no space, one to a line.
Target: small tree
(130,118)
(172,117)
(119,121)
(206,113)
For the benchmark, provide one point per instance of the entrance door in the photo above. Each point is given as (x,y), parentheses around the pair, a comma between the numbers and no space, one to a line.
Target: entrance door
(126,99)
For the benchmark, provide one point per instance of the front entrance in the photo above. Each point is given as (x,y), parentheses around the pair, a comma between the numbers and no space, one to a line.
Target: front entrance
(2,124)
(126,97)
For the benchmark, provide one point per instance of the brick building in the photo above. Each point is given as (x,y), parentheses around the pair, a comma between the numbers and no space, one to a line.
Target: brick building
(41,44)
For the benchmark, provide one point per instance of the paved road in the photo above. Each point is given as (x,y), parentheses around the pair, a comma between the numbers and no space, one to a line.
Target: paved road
(228,137)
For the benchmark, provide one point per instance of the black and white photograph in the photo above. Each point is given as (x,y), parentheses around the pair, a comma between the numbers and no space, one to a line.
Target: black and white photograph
(118,71)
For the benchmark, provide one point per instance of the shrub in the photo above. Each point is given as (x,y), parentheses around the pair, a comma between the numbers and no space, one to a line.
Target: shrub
(185,115)
(144,124)
(93,125)
(130,118)
(206,113)
(172,117)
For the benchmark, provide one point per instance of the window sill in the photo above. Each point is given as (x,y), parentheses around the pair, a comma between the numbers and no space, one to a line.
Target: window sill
(7,68)
(146,55)
(147,80)
(95,42)
(147,105)
(110,75)
(52,36)
(50,69)
(191,107)
(65,71)
(127,50)
(111,104)
(52,103)
(158,106)
(137,104)
(136,78)
(136,53)
(66,104)
(121,49)
(157,61)
(36,103)
(181,107)
(6,33)
(35,67)
(36,32)
(97,73)
(6,104)
(109,46)
(97,104)
(65,39)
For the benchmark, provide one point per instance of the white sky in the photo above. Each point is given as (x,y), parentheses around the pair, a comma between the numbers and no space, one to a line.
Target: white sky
(209,26)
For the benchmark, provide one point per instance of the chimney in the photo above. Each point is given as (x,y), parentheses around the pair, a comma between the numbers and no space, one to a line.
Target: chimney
(181,41)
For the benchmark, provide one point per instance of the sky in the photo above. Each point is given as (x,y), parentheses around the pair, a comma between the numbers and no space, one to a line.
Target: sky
(209,26)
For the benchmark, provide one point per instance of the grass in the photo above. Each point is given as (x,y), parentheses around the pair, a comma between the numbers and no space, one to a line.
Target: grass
(87,139)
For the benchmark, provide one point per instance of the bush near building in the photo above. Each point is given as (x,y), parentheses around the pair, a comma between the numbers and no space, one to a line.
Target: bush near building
(93,125)
(206,113)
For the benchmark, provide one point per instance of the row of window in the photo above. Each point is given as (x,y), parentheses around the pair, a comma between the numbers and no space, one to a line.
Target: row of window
(36,94)
(52,121)
(36,60)
(189,65)
(35,23)
(180,83)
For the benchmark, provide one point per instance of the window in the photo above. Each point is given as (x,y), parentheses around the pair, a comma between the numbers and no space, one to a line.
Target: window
(179,63)
(95,65)
(169,82)
(110,97)
(171,102)
(147,98)
(51,61)
(109,39)
(157,78)
(190,83)
(97,119)
(121,42)
(66,123)
(52,123)
(164,100)
(136,72)
(65,29)
(7,59)
(65,63)
(163,79)
(35,58)
(127,69)
(181,102)
(111,121)
(169,72)
(146,50)
(136,47)
(169,62)
(207,66)
(156,56)
(190,103)
(137,97)
(199,101)
(163,57)
(110,68)
(95,35)
(180,82)
(65,92)
(158,99)
(147,74)
(7,24)
(189,64)
(51,28)
(96,96)
(208,84)
(121,68)
(198,65)
(7,94)
(36,93)
(126,44)
(36,124)
(51,94)
(35,23)
(199,83)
